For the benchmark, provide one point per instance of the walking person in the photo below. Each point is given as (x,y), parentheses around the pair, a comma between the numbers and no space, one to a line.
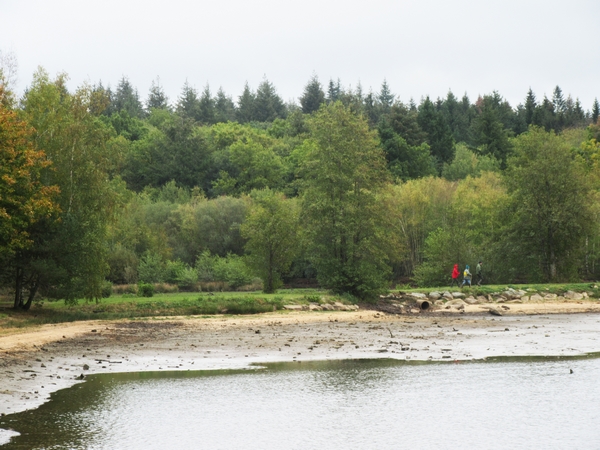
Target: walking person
(479,273)
(467,276)
(455,275)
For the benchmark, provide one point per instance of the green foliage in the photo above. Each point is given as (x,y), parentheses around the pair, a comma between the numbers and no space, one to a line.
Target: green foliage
(70,254)
(179,273)
(405,162)
(212,225)
(439,135)
(490,130)
(152,268)
(313,96)
(271,230)
(550,206)
(417,208)
(472,231)
(106,289)
(343,170)
(231,269)
(145,290)
(467,163)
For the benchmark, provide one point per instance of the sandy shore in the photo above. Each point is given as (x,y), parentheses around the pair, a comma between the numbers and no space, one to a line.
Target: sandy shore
(36,362)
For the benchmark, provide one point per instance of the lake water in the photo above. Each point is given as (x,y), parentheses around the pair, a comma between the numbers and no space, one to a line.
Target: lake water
(383,404)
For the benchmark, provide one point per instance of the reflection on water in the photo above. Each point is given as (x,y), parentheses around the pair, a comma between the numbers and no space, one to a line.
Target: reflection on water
(381,404)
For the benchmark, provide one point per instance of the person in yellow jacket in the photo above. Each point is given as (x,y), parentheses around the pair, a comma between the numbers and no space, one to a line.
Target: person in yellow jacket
(467,276)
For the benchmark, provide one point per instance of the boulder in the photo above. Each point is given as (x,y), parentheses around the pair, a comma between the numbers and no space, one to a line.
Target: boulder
(418,295)
(550,297)
(293,307)
(525,298)
(457,302)
(458,295)
(447,295)
(494,312)
(471,300)
(434,295)
(536,298)
(314,307)
(571,295)
(481,299)
(327,307)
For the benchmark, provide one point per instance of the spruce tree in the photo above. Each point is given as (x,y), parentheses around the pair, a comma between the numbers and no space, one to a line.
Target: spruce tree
(126,99)
(206,106)
(530,105)
(157,99)
(268,105)
(313,96)
(245,110)
(224,107)
(595,111)
(188,104)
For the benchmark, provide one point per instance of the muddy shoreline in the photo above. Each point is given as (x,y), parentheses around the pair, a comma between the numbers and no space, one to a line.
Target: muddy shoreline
(36,362)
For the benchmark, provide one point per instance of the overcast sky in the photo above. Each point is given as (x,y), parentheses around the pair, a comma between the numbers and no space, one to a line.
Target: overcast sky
(420,47)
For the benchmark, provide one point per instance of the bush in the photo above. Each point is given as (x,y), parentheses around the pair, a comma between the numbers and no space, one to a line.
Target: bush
(233,270)
(151,269)
(145,290)
(106,289)
(124,289)
(165,288)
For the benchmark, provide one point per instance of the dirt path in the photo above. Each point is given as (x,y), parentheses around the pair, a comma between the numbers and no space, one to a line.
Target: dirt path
(36,362)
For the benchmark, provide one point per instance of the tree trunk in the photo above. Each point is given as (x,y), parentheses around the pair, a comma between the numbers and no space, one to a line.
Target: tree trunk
(32,291)
(18,288)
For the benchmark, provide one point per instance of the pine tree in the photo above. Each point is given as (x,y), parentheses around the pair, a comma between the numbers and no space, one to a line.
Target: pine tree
(530,105)
(595,111)
(126,99)
(268,105)
(313,96)
(206,107)
(224,107)
(157,99)
(188,104)
(438,132)
(245,110)
(385,97)
(334,92)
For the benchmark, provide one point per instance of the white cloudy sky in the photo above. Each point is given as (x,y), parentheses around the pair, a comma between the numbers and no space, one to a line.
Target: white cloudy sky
(421,47)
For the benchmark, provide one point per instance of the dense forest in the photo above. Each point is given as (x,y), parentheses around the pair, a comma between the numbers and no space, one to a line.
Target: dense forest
(352,190)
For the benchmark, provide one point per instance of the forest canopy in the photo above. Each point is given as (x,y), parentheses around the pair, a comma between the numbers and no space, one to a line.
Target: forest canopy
(355,191)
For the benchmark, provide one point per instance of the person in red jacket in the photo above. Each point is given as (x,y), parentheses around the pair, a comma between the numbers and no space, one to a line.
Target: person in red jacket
(455,275)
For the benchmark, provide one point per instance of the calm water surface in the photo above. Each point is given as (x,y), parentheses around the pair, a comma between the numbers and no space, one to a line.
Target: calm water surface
(327,405)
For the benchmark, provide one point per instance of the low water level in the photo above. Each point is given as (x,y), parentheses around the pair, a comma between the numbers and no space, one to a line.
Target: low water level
(327,405)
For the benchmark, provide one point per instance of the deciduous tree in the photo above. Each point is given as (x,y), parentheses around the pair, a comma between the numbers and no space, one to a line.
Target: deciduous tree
(343,171)
(271,230)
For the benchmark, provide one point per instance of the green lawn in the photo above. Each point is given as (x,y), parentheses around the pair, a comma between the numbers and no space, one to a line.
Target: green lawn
(174,304)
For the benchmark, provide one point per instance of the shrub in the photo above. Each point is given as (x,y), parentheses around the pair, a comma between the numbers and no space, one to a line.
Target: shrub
(106,289)
(165,288)
(124,288)
(233,270)
(151,269)
(145,290)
